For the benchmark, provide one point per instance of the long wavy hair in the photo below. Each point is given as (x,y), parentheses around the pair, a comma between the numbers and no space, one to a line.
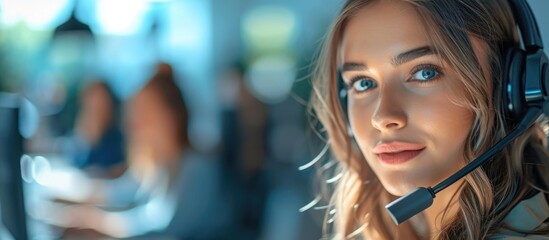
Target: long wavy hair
(519,171)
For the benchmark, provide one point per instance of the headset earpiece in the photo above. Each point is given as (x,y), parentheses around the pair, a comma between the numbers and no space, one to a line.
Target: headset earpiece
(526,81)
(526,78)
(513,83)
(343,95)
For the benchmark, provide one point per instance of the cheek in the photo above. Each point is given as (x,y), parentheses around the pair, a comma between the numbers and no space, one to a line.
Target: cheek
(360,117)
(447,133)
(444,120)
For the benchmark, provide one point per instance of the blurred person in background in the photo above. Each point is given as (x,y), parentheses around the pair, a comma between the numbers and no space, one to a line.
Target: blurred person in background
(245,122)
(169,190)
(97,144)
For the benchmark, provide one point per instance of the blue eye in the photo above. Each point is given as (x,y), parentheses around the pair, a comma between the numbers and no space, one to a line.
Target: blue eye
(362,84)
(425,74)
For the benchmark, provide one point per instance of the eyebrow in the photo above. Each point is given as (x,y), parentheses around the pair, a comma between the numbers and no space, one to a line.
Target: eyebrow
(395,61)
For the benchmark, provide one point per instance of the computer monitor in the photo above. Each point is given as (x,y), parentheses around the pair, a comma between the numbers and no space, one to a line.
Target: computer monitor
(12,205)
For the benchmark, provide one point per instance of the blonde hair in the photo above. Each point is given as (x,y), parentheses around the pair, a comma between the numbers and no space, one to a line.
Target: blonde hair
(359,198)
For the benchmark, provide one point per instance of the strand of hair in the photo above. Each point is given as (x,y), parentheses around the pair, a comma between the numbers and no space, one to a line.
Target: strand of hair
(357,231)
(316,159)
(335,178)
(311,204)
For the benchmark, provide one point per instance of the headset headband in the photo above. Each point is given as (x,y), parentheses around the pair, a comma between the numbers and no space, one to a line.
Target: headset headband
(527,24)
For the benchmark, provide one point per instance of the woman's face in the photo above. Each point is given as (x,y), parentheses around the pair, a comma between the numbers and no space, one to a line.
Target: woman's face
(401,94)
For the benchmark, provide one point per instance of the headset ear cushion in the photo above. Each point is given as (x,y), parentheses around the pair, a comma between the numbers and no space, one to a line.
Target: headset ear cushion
(513,88)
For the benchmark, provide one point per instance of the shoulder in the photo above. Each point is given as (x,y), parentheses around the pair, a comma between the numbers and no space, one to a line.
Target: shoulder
(528,215)
(532,237)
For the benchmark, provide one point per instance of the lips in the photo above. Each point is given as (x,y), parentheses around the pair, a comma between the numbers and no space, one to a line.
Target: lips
(397,152)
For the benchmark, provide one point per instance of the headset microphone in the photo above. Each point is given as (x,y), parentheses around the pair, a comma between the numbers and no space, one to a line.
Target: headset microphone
(420,199)
(526,90)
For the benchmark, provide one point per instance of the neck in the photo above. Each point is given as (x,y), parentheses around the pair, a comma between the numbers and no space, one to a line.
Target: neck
(445,206)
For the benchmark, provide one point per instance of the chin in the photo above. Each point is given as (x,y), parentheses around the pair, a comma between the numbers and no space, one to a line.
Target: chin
(400,183)
(401,188)
(399,191)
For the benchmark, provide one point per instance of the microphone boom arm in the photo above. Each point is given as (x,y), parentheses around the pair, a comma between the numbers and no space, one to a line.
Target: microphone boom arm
(421,198)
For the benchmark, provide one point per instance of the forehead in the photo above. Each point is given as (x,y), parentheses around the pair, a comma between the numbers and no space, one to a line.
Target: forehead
(383,28)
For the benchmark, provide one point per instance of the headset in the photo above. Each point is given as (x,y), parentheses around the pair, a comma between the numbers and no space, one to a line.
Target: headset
(525,95)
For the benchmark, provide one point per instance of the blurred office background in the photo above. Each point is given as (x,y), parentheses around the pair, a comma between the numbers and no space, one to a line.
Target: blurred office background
(242,68)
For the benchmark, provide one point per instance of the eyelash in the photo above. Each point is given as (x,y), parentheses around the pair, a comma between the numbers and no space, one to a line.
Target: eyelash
(415,70)
(424,66)
(349,86)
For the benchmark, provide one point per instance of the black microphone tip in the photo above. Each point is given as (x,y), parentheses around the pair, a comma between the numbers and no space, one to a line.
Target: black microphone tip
(410,204)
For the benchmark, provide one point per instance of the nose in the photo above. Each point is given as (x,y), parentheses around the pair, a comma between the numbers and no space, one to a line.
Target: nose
(389,113)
